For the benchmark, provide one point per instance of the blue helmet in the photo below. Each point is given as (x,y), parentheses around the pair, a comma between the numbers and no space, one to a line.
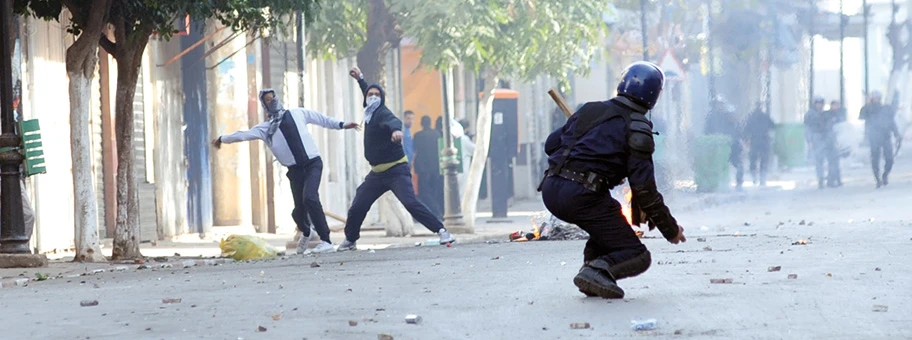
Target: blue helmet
(642,83)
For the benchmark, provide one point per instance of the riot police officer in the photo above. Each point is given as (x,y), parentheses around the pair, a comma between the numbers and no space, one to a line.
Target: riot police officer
(881,132)
(598,147)
(819,134)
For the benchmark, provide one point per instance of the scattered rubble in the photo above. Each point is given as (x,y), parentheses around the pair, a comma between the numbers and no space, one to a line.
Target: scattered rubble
(547,227)
(412,319)
(579,325)
(643,325)
(261,329)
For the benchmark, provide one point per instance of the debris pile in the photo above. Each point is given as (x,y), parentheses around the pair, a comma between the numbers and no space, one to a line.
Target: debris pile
(547,227)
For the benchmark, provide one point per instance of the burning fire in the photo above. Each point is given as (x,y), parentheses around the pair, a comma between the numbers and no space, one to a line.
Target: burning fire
(625,205)
(626,209)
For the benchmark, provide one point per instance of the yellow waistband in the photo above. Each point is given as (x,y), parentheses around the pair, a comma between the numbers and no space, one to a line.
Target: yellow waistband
(386,166)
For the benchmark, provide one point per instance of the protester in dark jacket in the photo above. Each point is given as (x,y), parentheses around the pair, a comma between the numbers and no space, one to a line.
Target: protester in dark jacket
(389,168)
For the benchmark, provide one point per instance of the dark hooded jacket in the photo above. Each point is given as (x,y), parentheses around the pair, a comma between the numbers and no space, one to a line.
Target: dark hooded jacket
(378,133)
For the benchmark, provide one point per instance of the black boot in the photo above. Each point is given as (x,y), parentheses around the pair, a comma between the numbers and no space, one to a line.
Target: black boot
(597,282)
(599,277)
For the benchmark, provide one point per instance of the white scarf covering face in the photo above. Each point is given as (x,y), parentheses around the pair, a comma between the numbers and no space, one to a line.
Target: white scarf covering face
(274,112)
(372,104)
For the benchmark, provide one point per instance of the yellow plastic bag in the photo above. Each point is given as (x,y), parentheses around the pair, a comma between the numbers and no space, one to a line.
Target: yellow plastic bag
(246,247)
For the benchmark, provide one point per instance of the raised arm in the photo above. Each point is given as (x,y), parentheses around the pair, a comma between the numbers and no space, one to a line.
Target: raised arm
(357,75)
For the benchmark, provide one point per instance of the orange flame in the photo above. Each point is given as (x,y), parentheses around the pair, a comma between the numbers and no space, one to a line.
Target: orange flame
(625,205)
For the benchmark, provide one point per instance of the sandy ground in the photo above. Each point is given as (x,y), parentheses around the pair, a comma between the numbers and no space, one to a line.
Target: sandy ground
(853,280)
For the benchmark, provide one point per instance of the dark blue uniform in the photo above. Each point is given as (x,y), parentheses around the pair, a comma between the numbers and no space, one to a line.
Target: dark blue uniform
(602,151)
(599,146)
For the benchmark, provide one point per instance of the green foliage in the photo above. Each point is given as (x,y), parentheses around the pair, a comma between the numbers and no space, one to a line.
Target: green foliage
(339,30)
(162,16)
(519,38)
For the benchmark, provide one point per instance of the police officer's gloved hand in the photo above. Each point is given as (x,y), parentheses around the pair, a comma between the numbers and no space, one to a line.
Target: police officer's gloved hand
(652,203)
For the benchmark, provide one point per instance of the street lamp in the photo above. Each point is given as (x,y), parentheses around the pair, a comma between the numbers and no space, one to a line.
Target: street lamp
(452,213)
(13,239)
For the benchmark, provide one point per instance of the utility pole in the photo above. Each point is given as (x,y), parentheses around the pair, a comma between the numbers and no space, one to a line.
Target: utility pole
(842,25)
(299,27)
(864,4)
(812,31)
(643,29)
(712,59)
(452,214)
(13,239)
(770,55)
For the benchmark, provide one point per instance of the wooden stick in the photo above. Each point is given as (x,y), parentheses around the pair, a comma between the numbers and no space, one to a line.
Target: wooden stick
(560,102)
(334,216)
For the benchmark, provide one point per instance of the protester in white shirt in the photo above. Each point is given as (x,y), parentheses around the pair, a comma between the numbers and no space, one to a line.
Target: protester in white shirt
(285,133)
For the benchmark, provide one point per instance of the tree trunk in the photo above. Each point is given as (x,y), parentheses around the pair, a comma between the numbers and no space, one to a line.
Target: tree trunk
(85,203)
(81,60)
(126,232)
(480,158)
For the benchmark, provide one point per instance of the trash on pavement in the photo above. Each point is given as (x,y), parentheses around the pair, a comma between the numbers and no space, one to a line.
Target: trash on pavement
(246,247)
(88,303)
(412,319)
(643,325)
(547,227)
(774,269)
(171,300)
(721,280)
(579,325)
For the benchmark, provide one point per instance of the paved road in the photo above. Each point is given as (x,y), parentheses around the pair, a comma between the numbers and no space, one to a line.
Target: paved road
(853,279)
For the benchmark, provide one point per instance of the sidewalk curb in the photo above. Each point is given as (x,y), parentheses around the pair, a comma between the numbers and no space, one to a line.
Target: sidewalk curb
(116,267)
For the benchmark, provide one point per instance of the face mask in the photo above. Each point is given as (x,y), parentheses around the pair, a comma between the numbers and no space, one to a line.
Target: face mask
(273,106)
(373,100)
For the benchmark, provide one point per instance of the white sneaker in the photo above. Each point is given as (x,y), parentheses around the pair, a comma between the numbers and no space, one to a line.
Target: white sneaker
(304,241)
(347,245)
(323,247)
(446,237)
